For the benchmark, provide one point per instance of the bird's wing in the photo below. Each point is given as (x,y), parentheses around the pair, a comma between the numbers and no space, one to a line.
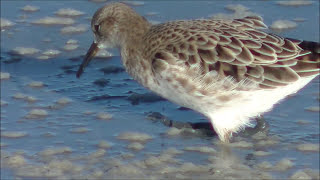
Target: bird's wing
(232,48)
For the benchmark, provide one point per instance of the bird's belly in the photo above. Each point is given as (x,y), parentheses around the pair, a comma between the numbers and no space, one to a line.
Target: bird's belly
(238,103)
(176,95)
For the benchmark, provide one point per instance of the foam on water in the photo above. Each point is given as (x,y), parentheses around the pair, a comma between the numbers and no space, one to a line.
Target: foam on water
(36,84)
(283,25)
(5,23)
(294,3)
(69,12)
(13,134)
(25,51)
(37,113)
(53,21)
(104,116)
(81,28)
(51,52)
(134,136)
(30,8)
(4,75)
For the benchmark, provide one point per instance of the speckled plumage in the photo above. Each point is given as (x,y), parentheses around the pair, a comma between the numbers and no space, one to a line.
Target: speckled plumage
(228,70)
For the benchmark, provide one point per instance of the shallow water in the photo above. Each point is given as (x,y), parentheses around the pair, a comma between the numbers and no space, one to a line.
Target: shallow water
(64,143)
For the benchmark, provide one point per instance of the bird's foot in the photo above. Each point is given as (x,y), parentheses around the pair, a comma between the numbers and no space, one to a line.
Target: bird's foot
(203,128)
(261,127)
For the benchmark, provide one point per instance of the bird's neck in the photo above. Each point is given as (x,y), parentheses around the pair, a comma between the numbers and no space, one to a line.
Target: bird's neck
(132,30)
(135,63)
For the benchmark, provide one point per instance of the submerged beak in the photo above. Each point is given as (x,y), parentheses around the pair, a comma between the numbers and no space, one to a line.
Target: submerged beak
(90,54)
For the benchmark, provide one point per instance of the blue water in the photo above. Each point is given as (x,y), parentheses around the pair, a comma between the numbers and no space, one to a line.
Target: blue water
(126,116)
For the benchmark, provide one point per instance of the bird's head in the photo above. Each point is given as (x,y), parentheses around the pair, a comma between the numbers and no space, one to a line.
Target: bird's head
(113,25)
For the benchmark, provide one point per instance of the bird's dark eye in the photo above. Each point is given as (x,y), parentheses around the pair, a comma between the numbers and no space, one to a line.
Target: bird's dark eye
(97,28)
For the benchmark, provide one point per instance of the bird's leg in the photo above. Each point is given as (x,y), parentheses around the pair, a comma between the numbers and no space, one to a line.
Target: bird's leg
(261,126)
(206,128)
(201,127)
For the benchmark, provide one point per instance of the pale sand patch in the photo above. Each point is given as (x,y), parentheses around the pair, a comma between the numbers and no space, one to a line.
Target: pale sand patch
(31,99)
(96,174)
(237,7)
(37,113)
(104,116)
(54,151)
(126,171)
(49,134)
(134,136)
(25,51)
(51,52)
(42,57)
(64,101)
(24,97)
(135,146)
(308,147)
(4,75)
(36,84)
(127,156)
(313,109)
(259,136)
(300,175)
(30,8)
(168,158)
(153,161)
(268,142)
(190,167)
(303,122)
(64,165)
(235,15)
(173,131)
(153,22)
(19,96)
(151,13)
(68,12)
(172,151)
(40,171)
(79,130)
(70,47)
(53,21)
(241,144)
(134,3)
(47,40)
(3,103)
(13,134)
(81,28)
(314,173)
(299,19)
(98,1)
(283,165)
(104,54)
(265,165)
(5,23)
(104,144)
(201,149)
(261,153)
(97,154)
(72,41)
(294,3)
(283,25)
(16,161)
(88,112)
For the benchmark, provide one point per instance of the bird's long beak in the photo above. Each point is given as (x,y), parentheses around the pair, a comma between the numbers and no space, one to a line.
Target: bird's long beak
(90,54)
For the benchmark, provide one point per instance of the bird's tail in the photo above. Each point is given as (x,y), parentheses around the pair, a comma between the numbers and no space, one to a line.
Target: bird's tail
(308,63)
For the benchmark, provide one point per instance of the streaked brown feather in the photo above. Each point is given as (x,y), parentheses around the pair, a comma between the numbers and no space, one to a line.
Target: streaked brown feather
(238,49)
